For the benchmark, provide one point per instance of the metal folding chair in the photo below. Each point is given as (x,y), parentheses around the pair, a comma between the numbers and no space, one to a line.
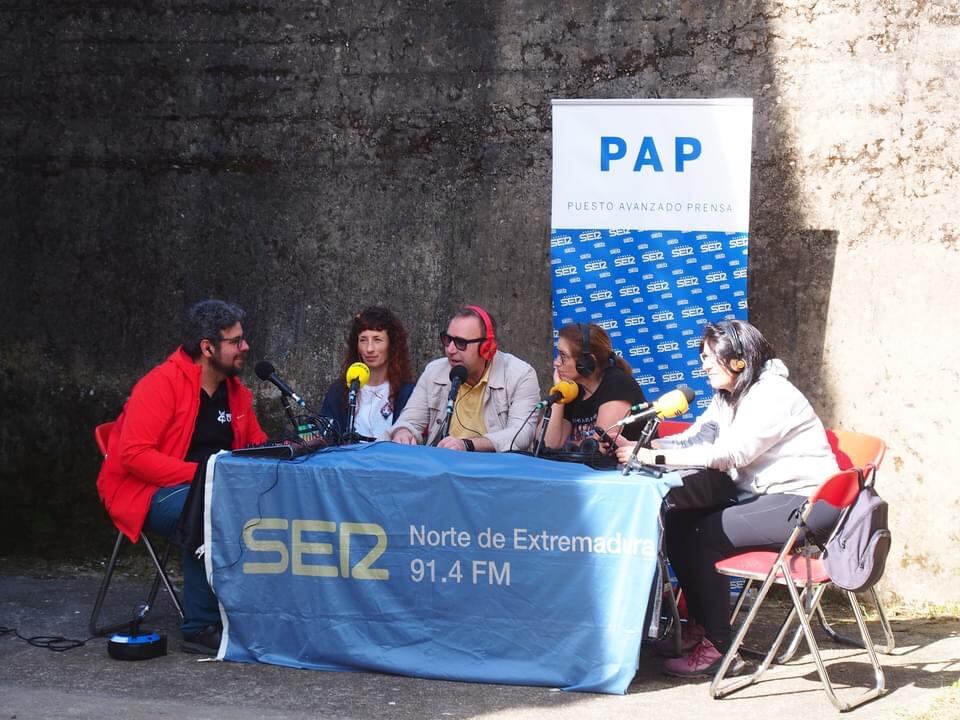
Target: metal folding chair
(102,435)
(806,579)
(864,452)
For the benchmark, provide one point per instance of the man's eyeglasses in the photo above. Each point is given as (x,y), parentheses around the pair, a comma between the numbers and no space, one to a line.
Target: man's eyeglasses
(461,343)
(235,341)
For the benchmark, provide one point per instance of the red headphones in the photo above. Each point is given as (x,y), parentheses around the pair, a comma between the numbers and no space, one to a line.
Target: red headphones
(488,348)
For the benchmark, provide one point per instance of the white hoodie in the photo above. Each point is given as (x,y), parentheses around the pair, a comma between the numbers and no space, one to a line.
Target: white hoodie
(775,443)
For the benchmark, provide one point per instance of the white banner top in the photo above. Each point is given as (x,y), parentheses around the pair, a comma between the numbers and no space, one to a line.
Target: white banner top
(677,170)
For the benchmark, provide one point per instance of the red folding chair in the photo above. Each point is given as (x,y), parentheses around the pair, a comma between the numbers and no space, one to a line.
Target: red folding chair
(102,435)
(806,579)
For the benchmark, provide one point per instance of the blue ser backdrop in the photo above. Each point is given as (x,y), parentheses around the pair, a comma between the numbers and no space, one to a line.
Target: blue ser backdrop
(652,291)
(421,561)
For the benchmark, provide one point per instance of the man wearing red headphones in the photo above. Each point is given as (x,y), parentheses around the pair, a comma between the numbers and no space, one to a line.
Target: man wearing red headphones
(493,409)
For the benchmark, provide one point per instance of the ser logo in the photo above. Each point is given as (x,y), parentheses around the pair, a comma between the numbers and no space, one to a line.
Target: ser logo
(285,542)
(601,295)
(629,290)
(715,277)
(662,316)
(672,377)
(658,286)
(624,260)
(565,270)
(571,300)
(639,350)
(595,265)
(711,246)
(646,380)
(695,311)
(634,320)
(738,242)
(652,256)
(721,307)
(681,251)
(561,241)
(669,346)
(687,281)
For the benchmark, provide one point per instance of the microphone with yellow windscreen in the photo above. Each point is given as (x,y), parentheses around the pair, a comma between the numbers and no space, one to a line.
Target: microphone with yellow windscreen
(565,391)
(676,402)
(358,375)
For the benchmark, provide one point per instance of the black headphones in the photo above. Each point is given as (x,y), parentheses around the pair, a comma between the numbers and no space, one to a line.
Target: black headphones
(586,363)
(737,364)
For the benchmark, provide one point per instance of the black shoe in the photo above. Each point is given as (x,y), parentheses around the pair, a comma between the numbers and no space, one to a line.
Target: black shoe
(202,642)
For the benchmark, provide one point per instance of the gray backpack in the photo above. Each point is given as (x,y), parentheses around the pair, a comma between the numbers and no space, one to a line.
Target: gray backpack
(856,553)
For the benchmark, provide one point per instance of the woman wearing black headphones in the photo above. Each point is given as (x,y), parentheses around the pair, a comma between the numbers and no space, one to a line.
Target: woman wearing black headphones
(607,388)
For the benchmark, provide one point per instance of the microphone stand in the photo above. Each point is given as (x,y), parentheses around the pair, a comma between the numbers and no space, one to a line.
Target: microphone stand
(444,426)
(649,429)
(538,446)
(351,414)
(289,413)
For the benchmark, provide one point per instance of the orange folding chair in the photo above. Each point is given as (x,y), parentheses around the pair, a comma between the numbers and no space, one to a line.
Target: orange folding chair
(102,434)
(806,578)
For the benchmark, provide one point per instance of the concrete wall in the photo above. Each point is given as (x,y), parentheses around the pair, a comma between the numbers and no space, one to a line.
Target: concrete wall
(307,158)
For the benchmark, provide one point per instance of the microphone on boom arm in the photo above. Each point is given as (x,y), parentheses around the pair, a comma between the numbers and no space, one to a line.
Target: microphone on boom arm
(265,371)
(676,402)
(565,391)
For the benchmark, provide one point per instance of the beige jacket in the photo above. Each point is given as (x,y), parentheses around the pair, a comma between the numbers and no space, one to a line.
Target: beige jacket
(511,394)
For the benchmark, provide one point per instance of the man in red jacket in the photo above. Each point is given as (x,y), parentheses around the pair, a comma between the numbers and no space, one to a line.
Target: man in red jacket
(184,410)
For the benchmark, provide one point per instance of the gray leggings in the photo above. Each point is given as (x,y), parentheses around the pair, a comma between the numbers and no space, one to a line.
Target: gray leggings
(696,539)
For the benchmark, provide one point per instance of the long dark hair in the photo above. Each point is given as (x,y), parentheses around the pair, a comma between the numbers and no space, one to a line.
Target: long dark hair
(732,341)
(600,346)
(377,317)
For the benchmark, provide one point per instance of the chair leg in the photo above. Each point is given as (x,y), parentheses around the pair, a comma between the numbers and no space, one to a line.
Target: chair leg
(102,593)
(854,642)
(160,577)
(805,618)
(717,687)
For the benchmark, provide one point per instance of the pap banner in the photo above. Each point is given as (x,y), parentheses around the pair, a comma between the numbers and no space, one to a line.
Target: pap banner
(650,220)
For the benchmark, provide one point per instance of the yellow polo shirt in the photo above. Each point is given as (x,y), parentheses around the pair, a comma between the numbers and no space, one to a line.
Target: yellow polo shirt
(467,420)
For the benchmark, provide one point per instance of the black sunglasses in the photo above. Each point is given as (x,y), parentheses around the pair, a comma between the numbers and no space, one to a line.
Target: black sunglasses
(461,343)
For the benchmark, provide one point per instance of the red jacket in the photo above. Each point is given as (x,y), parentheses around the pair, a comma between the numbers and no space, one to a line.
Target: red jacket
(150,439)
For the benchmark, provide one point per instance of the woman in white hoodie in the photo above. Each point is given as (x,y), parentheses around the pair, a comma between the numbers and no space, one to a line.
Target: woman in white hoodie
(762,432)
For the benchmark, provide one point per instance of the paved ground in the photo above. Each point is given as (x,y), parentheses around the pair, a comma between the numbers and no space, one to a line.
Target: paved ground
(86,683)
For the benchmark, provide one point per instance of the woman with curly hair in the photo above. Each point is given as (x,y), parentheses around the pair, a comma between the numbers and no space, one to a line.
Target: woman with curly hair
(377,339)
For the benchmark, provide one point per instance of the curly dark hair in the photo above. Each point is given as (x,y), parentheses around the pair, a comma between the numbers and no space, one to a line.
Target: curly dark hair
(205,321)
(377,317)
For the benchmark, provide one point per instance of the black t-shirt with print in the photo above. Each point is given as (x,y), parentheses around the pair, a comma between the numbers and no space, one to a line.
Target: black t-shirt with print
(213,431)
(615,385)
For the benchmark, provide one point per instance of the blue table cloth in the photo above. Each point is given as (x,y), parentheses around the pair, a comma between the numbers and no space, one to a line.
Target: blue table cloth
(422,561)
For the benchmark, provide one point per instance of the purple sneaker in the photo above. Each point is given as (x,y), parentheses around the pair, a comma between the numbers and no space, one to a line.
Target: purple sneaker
(703,661)
(690,635)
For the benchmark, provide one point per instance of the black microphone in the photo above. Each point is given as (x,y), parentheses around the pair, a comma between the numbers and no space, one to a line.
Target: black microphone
(266,371)
(458,374)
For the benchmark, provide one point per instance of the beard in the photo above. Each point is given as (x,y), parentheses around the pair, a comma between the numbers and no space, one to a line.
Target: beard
(229,371)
